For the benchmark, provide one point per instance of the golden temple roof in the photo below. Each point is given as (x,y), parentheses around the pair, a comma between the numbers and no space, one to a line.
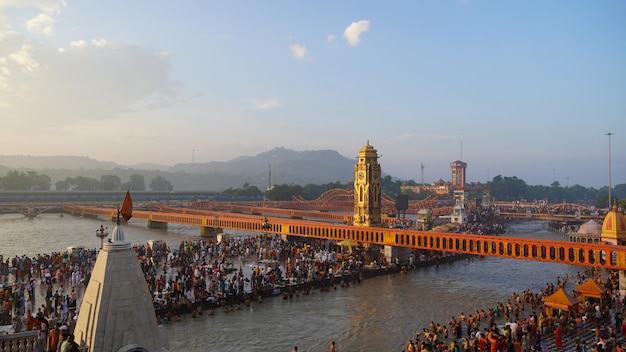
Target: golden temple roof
(614,225)
(368,151)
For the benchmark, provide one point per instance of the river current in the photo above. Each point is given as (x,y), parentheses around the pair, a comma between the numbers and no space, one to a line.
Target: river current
(379,314)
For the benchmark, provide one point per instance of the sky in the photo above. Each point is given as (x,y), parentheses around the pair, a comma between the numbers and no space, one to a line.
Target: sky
(513,88)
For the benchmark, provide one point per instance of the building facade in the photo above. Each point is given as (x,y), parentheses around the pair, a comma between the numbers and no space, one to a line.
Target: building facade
(458,174)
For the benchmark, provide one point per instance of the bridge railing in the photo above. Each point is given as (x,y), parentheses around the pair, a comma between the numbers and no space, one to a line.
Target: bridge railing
(576,253)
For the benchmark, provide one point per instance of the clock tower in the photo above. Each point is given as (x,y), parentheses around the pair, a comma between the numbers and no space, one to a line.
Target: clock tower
(367,191)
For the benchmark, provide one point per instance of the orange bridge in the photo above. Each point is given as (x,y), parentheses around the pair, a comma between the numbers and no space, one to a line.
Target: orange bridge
(586,254)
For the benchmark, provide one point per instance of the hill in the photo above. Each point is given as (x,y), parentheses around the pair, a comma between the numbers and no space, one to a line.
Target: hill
(285,165)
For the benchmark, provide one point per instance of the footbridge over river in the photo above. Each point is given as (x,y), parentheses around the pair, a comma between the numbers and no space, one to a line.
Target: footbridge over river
(587,254)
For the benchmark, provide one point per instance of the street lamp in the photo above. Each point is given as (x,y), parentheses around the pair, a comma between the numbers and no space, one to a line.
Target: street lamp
(101,233)
(609,134)
(266,227)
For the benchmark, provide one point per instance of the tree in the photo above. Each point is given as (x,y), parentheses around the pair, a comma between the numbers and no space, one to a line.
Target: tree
(110,183)
(15,181)
(86,184)
(507,188)
(62,185)
(29,181)
(160,184)
(136,183)
(42,183)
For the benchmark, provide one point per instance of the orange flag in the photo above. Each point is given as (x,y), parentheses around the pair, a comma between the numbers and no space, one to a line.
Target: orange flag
(127,207)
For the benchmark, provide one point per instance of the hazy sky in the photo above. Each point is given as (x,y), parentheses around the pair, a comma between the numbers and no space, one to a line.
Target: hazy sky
(513,88)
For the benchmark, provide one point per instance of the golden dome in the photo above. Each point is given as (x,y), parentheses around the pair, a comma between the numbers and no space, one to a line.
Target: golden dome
(368,152)
(614,225)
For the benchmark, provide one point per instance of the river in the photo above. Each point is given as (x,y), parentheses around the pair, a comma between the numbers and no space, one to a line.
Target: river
(380,314)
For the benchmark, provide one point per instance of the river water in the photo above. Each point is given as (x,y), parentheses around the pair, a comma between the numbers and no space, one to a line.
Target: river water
(380,314)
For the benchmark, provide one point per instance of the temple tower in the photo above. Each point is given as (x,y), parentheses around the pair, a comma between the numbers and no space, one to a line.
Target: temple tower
(614,232)
(116,313)
(367,190)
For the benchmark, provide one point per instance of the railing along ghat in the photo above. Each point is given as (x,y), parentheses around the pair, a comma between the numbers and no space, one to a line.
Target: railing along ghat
(575,253)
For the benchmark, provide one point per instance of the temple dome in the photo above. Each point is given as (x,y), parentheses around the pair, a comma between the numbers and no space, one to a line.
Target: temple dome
(614,225)
(590,228)
(368,149)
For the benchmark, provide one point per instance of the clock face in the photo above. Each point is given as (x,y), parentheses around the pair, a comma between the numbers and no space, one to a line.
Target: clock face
(361,175)
(375,175)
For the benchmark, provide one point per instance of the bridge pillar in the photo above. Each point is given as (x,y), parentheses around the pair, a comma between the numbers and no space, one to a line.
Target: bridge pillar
(402,253)
(157,224)
(210,231)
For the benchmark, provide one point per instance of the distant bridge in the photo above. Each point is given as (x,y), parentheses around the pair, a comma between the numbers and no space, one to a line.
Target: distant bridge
(30,210)
(545,216)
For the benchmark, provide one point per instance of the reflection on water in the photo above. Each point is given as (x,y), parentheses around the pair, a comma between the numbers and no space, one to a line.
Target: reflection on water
(380,314)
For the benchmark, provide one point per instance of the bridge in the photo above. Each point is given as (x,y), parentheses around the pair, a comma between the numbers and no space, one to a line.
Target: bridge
(543,216)
(30,210)
(573,253)
(33,203)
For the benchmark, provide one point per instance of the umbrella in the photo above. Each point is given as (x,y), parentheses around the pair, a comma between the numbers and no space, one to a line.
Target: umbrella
(348,243)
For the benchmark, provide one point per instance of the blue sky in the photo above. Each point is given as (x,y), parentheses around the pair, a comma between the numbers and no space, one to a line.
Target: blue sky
(513,88)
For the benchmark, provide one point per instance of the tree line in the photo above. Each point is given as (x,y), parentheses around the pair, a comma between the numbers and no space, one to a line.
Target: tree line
(32,181)
(502,188)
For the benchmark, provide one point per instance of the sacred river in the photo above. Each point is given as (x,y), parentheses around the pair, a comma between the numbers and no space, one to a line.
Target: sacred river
(380,314)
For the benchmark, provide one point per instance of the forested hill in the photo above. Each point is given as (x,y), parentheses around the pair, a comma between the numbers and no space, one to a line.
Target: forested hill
(287,167)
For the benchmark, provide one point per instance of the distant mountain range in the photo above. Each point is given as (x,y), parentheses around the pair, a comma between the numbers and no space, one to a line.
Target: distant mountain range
(291,167)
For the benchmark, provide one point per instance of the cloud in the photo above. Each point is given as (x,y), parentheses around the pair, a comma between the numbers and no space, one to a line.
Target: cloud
(402,136)
(330,38)
(265,104)
(354,31)
(42,23)
(299,51)
(23,58)
(87,80)
(48,6)
(78,43)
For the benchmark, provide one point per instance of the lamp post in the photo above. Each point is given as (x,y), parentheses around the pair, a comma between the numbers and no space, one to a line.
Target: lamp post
(101,233)
(265,226)
(610,134)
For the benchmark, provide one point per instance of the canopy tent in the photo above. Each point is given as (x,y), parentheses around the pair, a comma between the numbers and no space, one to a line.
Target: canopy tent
(590,288)
(560,301)
(348,243)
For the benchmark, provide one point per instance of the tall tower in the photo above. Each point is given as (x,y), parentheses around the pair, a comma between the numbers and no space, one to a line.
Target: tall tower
(367,191)
(614,232)
(458,174)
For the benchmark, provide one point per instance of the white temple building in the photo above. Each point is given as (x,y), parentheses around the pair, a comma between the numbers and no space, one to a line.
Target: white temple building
(116,314)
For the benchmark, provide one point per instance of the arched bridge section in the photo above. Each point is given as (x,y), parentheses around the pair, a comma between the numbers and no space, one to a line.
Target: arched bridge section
(575,253)
(339,199)
(336,199)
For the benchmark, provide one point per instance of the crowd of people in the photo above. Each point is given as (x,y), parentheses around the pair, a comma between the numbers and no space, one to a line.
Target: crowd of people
(198,273)
(58,279)
(522,325)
